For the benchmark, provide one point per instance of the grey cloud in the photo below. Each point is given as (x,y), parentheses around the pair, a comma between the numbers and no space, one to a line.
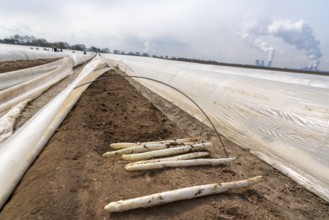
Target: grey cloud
(191,28)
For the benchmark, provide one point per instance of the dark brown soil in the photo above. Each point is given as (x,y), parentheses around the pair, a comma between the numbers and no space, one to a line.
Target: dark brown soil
(7,66)
(71,180)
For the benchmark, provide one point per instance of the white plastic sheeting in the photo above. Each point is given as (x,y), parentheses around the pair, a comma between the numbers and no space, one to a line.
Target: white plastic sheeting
(19,151)
(12,78)
(16,52)
(26,84)
(282,117)
(7,122)
(80,59)
(10,52)
(31,88)
(272,75)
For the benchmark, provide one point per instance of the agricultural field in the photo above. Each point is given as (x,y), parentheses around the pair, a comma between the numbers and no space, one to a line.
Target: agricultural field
(70,179)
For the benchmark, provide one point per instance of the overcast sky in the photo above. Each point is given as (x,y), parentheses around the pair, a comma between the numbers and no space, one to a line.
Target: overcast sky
(234,31)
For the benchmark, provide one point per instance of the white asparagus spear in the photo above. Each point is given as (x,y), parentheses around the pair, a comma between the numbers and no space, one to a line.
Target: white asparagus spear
(180,157)
(122,145)
(178,141)
(178,194)
(179,163)
(142,148)
(166,152)
(137,149)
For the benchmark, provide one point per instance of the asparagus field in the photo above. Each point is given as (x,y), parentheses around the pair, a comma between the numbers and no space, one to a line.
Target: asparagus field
(72,180)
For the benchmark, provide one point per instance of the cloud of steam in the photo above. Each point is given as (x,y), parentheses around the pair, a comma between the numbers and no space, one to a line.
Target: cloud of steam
(149,46)
(299,34)
(260,44)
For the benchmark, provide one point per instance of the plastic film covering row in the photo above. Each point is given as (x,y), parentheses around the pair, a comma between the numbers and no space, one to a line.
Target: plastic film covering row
(19,151)
(282,117)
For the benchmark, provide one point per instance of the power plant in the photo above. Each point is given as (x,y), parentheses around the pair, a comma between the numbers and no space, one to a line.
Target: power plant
(261,63)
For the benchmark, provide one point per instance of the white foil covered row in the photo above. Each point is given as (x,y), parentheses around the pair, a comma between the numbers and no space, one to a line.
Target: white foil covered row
(282,117)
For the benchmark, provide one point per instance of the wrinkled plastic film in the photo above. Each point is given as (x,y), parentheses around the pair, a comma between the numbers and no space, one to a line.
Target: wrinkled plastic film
(80,59)
(7,121)
(286,120)
(16,52)
(10,52)
(27,90)
(26,84)
(13,78)
(20,150)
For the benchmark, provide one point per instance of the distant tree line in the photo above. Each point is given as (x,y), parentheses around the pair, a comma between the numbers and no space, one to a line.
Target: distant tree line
(41,42)
(121,52)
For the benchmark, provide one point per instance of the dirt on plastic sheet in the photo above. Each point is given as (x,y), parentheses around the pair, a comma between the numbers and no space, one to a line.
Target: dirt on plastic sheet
(7,66)
(71,179)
